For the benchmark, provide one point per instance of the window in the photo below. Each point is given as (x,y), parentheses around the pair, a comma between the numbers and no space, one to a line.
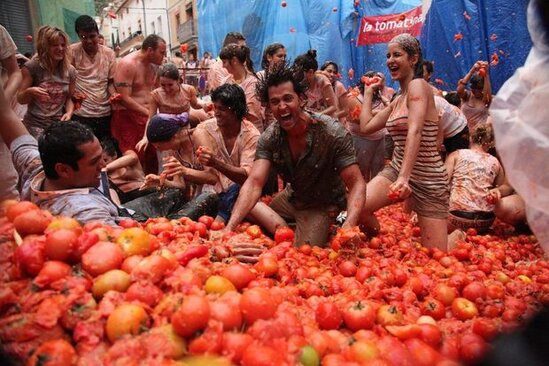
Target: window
(153,27)
(177,19)
(139,25)
(159,25)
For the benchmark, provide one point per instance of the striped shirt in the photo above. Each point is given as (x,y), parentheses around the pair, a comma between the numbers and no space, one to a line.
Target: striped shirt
(428,168)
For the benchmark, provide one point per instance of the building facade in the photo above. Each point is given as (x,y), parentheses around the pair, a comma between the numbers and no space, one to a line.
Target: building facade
(184,26)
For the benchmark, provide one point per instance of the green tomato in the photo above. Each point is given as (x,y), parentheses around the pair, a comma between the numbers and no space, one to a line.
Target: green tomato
(309,356)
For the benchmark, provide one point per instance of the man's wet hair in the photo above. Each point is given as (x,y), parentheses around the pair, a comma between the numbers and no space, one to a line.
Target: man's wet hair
(280,74)
(233,97)
(60,143)
(85,23)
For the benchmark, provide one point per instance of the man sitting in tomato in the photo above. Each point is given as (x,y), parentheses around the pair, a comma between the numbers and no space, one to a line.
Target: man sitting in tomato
(315,156)
(227,145)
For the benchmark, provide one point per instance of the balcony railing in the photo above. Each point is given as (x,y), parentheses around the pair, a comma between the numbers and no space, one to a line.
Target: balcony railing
(187,31)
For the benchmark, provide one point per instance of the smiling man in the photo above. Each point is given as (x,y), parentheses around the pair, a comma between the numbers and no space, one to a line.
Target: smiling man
(313,153)
(95,66)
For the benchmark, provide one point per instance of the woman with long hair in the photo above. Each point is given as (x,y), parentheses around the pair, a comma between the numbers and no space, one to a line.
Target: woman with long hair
(416,172)
(48,81)
(236,59)
(321,97)
(476,102)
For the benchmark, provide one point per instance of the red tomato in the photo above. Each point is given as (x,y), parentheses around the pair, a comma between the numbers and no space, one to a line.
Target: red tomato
(475,290)
(444,293)
(486,328)
(206,220)
(32,222)
(51,272)
(254,231)
(434,308)
(359,315)
(201,229)
(472,347)
(130,263)
(128,223)
(284,233)
(347,269)
(101,258)
(389,315)
(328,316)
(234,344)
(227,312)
(239,274)
(430,334)
(84,242)
(464,309)
(257,303)
(258,355)
(393,195)
(151,268)
(55,352)
(422,352)
(404,332)
(209,342)
(267,264)
(19,208)
(145,292)
(60,244)
(192,315)
(217,225)
(30,255)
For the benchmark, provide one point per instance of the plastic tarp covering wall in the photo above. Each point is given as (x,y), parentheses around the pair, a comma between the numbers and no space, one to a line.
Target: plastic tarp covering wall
(301,25)
(488,27)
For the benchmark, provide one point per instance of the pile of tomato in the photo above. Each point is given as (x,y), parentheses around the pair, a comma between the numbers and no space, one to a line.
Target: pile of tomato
(169,292)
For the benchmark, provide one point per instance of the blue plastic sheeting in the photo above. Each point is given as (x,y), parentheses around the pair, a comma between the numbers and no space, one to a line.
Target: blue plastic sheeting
(305,24)
(301,25)
(506,19)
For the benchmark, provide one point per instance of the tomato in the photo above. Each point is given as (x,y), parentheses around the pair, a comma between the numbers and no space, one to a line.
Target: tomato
(51,272)
(474,290)
(84,242)
(257,303)
(113,280)
(56,352)
(30,255)
(176,345)
(217,225)
(126,319)
(218,285)
(226,311)
(486,328)
(284,233)
(145,292)
(347,268)
(482,72)
(433,308)
(464,309)
(60,244)
(430,334)
(151,268)
(201,229)
(209,342)
(472,347)
(403,332)
(254,231)
(239,275)
(61,222)
(444,294)
(32,222)
(389,315)
(206,220)
(192,315)
(101,258)
(234,344)
(130,263)
(134,241)
(14,210)
(393,195)
(359,315)
(267,264)
(128,223)
(258,355)
(328,316)
(422,352)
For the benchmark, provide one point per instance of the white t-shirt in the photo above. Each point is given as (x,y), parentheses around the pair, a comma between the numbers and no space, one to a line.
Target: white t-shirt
(452,119)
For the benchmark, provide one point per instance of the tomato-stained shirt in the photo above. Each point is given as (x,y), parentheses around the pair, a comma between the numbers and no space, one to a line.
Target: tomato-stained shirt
(82,204)
(314,178)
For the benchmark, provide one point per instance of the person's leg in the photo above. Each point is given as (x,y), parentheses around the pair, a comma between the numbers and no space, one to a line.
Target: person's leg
(205,203)
(266,217)
(378,158)
(8,175)
(434,232)
(511,210)
(376,198)
(313,226)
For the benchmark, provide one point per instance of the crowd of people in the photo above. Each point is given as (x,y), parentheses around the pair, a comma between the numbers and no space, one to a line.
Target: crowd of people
(104,138)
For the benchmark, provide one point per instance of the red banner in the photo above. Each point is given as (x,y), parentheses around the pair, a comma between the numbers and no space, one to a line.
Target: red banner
(382,28)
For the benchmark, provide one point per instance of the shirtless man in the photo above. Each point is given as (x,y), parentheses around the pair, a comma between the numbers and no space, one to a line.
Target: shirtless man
(134,79)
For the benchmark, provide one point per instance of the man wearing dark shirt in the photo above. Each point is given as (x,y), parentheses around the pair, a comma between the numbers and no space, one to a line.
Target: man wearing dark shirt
(313,153)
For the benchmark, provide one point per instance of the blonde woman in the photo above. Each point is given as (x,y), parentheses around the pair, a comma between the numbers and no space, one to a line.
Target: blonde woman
(48,81)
